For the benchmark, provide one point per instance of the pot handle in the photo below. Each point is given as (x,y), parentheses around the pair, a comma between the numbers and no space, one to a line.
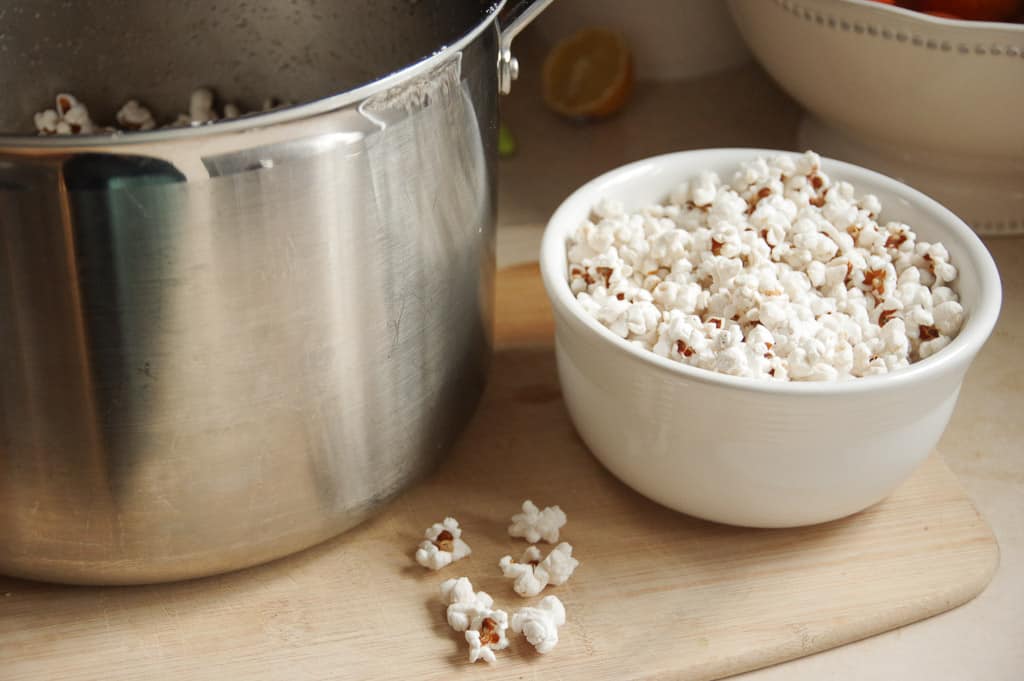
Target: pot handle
(513,18)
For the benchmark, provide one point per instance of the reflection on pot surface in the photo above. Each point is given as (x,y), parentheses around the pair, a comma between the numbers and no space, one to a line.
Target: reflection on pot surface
(221,345)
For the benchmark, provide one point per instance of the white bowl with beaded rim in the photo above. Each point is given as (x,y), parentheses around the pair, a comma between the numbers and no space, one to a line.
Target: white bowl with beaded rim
(751,452)
(935,102)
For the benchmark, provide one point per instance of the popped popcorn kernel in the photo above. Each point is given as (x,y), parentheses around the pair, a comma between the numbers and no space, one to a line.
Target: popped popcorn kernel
(559,564)
(527,582)
(487,634)
(540,624)
(134,116)
(463,604)
(71,117)
(779,274)
(534,524)
(68,117)
(200,106)
(531,575)
(442,546)
(471,612)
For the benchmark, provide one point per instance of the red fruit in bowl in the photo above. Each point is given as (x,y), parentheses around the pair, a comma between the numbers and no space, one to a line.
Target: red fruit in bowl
(977,10)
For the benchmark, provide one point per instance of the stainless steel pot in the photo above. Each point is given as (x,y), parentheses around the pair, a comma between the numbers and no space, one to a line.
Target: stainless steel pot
(223,344)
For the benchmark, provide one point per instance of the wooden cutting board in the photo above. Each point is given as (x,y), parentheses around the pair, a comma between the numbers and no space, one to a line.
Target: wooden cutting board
(658,595)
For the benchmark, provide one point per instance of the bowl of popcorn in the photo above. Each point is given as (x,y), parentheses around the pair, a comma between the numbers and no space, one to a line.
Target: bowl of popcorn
(762,338)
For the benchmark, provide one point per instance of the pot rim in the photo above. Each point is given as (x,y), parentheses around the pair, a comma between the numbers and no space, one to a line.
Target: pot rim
(262,119)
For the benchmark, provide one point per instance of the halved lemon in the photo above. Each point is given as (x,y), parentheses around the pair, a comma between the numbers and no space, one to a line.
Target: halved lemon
(589,74)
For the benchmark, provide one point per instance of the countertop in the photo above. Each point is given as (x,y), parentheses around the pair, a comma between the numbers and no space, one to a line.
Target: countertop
(984,444)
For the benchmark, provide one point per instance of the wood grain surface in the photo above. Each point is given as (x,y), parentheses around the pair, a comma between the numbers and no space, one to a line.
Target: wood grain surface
(657,595)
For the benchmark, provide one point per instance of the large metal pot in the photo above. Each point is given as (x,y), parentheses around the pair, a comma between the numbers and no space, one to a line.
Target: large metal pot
(220,345)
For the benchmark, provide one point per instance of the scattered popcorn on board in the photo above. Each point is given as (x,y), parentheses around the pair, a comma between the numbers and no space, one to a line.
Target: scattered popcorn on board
(531,574)
(487,634)
(534,524)
(472,612)
(540,624)
(463,604)
(781,274)
(442,545)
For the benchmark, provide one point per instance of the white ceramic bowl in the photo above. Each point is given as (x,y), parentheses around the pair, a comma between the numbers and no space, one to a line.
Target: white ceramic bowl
(748,452)
(936,102)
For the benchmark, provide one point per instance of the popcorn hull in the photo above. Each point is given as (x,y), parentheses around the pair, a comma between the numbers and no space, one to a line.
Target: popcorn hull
(221,345)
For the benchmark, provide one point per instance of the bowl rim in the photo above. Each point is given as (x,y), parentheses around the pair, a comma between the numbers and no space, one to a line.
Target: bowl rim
(976,330)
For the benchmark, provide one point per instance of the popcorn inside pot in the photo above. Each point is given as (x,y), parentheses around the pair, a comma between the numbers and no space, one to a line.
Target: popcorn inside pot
(780,274)
(68,117)
(71,117)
